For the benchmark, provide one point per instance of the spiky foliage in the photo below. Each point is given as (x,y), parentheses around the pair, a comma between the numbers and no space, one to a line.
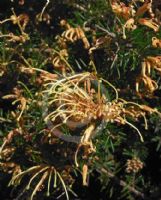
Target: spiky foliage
(82,79)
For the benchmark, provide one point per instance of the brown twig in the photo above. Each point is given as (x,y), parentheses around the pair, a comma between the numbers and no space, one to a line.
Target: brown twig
(123,184)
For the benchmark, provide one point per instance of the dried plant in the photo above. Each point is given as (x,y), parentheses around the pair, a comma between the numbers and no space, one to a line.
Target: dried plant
(21,20)
(43,18)
(156,42)
(46,172)
(76,102)
(148,64)
(121,10)
(57,120)
(132,15)
(10,167)
(74,34)
(18,98)
(59,61)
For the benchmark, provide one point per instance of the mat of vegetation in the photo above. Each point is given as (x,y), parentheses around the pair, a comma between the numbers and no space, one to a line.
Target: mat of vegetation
(80,99)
